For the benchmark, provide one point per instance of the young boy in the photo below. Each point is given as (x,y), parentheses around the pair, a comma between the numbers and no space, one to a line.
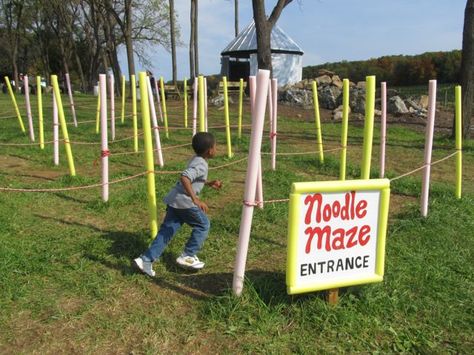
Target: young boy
(184,206)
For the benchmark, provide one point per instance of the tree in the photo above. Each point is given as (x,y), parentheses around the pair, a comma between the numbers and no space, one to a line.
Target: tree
(467,67)
(263,27)
(142,23)
(236,17)
(196,49)
(13,21)
(192,20)
(173,41)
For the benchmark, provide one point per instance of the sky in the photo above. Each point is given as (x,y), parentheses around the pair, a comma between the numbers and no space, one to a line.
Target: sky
(326,30)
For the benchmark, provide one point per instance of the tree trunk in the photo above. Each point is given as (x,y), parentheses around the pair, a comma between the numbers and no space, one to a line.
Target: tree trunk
(128,40)
(192,69)
(112,50)
(236,17)
(263,28)
(264,55)
(467,68)
(16,77)
(173,42)
(196,49)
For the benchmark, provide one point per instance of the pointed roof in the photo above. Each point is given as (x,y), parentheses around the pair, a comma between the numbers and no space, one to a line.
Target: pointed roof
(246,41)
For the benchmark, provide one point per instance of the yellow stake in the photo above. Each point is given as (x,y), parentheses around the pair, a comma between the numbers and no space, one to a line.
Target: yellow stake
(226,115)
(123,99)
(163,104)
(457,94)
(318,122)
(134,112)
(40,111)
(149,161)
(12,95)
(345,126)
(241,99)
(97,115)
(185,103)
(369,126)
(201,103)
(62,120)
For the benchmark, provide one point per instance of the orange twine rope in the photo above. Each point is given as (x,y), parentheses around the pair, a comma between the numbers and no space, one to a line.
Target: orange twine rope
(426,165)
(8,189)
(303,153)
(258,203)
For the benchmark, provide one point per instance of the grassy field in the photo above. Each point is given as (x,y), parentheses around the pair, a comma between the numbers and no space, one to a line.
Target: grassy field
(67,285)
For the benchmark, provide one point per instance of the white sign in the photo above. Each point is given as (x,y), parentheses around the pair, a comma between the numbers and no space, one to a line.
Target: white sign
(336,234)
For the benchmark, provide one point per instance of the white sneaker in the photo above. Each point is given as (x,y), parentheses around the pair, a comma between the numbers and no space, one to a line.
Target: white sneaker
(190,262)
(144,266)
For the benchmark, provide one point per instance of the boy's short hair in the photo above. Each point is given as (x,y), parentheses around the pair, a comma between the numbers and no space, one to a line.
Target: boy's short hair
(202,141)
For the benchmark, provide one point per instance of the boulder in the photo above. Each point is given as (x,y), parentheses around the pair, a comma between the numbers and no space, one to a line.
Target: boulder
(361,84)
(323,79)
(396,105)
(325,72)
(219,100)
(296,97)
(336,81)
(424,101)
(337,113)
(328,96)
(412,103)
(357,100)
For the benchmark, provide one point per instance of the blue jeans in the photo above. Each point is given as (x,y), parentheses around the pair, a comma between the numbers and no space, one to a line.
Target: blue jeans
(173,221)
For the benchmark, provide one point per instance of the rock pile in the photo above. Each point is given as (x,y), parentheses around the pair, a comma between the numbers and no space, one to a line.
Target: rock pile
(330,97)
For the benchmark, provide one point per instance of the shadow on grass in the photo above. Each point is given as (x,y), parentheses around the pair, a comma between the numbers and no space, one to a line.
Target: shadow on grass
(270,286)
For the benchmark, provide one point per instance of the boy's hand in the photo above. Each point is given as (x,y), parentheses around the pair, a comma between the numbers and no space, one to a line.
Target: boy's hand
(201,205)
(215,184)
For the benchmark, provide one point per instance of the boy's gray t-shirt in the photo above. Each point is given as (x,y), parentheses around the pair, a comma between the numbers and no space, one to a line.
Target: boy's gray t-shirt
(196,172)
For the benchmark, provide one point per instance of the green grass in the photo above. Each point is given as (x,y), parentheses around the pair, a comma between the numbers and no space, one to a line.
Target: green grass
(67,284)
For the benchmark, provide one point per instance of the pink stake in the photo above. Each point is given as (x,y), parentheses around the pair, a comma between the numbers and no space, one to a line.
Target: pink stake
(383,127)
(195,104)
(112,105)
(251,181)
(55,132)
(205,104)
(155,127)
(270,110)
(71,100)
(273,134)
(259,188)
(252,90)
(158,100)
(425,187)
(103,133)
(28,108)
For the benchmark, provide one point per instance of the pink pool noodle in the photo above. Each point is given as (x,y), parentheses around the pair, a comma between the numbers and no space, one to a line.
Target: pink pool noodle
(259,188)
(155,123)
(28,108)
(158,100)
(383,126)
(251,180)
(205,103)
(112,105)
(273,134)
(103,134)
(425,187)
(195,104)
(71,99)
(55,132)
